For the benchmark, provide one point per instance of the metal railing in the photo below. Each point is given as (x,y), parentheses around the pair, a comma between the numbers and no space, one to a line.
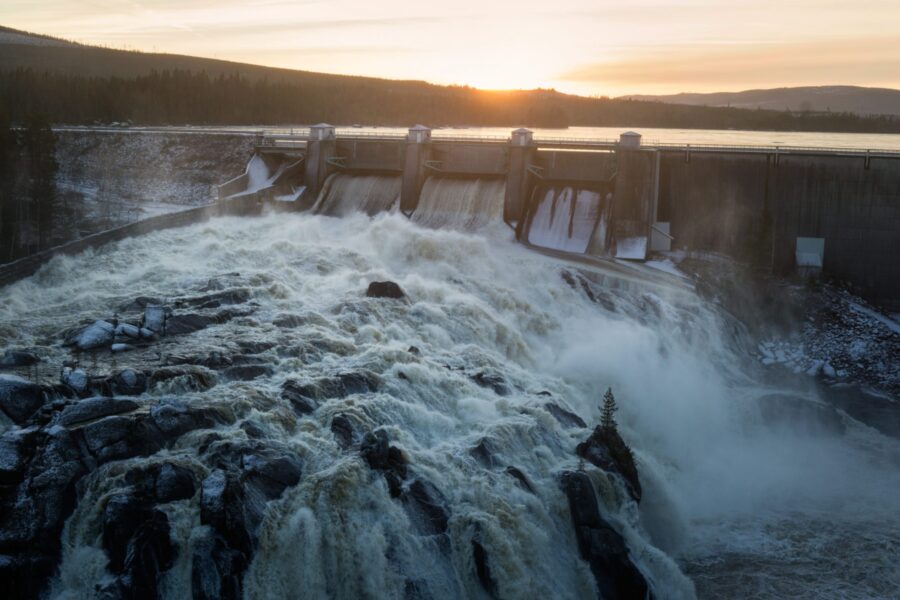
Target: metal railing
(299,137)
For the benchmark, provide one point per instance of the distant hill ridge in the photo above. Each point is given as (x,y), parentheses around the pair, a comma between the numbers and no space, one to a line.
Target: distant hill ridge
(829,98)
(71,83)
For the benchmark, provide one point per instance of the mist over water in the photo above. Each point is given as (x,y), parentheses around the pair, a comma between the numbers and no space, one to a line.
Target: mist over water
(747,506)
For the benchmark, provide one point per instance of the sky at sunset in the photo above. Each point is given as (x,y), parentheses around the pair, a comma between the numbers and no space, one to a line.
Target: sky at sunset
(580,46)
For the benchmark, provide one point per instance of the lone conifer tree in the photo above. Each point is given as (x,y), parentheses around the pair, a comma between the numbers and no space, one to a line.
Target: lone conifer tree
(607,415)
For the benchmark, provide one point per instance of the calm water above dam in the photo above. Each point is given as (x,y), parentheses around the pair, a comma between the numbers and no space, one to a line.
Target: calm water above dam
(730,137)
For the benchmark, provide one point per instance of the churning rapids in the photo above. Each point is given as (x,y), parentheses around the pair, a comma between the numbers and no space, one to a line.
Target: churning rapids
(483,380)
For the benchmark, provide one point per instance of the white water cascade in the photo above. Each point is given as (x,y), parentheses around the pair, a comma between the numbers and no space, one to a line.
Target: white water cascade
(460,203)
(747,508)
(370,194)
(566,217)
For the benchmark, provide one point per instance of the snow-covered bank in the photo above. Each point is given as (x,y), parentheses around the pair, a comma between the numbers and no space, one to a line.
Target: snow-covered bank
(116,177)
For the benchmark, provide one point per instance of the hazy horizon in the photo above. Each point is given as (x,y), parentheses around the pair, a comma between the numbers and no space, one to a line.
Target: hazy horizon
(580,47)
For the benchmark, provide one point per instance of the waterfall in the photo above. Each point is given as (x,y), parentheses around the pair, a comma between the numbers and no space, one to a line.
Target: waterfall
(465,378)
(458,203)
(566,217)
(370,194)
(258,175)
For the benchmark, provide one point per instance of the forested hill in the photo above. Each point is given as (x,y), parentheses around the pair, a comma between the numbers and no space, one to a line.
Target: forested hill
(72,83)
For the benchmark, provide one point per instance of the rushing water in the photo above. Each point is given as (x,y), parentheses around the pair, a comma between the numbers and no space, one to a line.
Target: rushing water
(747,508)
(566,218)
(344,194)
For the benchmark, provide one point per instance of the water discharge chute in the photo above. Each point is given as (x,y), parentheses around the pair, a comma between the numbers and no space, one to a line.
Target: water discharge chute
(344,194)
(566,218)
(460,203)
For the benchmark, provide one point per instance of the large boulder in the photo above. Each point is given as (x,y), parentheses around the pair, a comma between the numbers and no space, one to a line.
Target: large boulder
(385,289)
(99,334)
(565,417)
(606,449)
(95,408)
(215,300)
(128,382)
(138,544)
(18,358)
(20,398)
(381,456)
(599,544)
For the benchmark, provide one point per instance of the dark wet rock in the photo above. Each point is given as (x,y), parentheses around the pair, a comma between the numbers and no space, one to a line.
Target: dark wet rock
(127,330)
(41,468)
(606,449)
(249,359)
(576,280)
(520,477)
(381,456)
(301,397)
(216,569)
(385,289)
(232,503)
(248,372)
(493,381)
(483,452)
(483,568)
(128,382)
(77,380)
(95,408)
(118,437)
(414,350)
(801,415)
(24,576)
(213,360)
(215,300)
(137,542)
(269,472)
(342,429)
(18,358)
(599,544)
(188,323)
(121,347)
(19,398)
(156,318)
(289,321)
(544,393)
(195,377)
(16,449)
(98,334)
(253,430)
(305,397)
(191,322)
(220,282)
(173,483)
(426,507)
(140,303)
(174,418)
(566,418)
(254,347)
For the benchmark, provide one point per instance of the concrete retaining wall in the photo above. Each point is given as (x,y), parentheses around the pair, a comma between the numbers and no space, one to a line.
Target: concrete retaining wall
(754,207)
(20,269)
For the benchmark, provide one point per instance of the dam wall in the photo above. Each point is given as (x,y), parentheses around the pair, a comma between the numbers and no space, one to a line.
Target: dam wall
(813,211)
(756,206)
(794,210)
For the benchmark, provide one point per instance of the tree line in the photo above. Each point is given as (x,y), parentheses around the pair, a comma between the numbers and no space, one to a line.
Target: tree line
(31,215)
(183,96)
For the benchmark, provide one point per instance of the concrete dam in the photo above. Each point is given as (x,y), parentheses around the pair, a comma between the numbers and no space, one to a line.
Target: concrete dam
(815,211)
